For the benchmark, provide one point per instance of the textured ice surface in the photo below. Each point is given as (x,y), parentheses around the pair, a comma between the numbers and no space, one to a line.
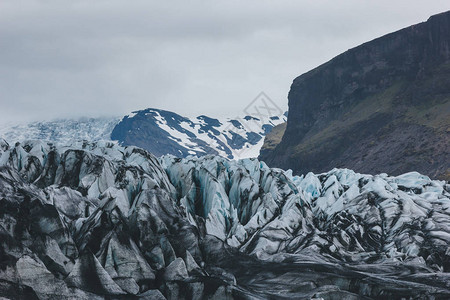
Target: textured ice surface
(62,132)
(97,218)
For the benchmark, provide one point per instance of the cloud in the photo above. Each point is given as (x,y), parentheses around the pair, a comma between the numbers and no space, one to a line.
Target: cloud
(86,58)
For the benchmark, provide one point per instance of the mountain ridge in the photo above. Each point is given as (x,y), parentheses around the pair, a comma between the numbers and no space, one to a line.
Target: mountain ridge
(165,132)
(380,107)
(158,131)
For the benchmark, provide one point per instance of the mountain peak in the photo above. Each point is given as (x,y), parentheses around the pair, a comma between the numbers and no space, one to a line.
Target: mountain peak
(164,132)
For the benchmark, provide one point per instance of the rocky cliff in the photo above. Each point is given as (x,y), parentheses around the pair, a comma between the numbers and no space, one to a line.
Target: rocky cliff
(383,106)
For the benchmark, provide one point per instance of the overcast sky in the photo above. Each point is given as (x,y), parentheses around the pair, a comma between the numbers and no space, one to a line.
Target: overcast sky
(98,58)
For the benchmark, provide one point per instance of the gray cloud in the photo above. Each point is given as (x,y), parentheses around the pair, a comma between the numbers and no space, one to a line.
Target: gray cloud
(86,58)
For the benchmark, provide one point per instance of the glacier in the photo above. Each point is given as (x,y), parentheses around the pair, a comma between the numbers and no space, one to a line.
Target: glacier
(60,131)
(97,220)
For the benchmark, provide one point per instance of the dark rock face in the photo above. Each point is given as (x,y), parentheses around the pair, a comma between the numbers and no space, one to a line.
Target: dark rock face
(272,139)
(381,107)
(117,223)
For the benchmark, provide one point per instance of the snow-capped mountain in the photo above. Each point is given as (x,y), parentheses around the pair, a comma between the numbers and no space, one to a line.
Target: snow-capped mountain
(96,220)
(63,131)
(158,131)
(164,132)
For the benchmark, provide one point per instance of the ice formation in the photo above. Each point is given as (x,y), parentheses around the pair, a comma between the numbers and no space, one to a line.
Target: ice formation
(95,219)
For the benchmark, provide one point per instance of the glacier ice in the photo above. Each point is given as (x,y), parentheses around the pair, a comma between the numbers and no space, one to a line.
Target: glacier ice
(138,225)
